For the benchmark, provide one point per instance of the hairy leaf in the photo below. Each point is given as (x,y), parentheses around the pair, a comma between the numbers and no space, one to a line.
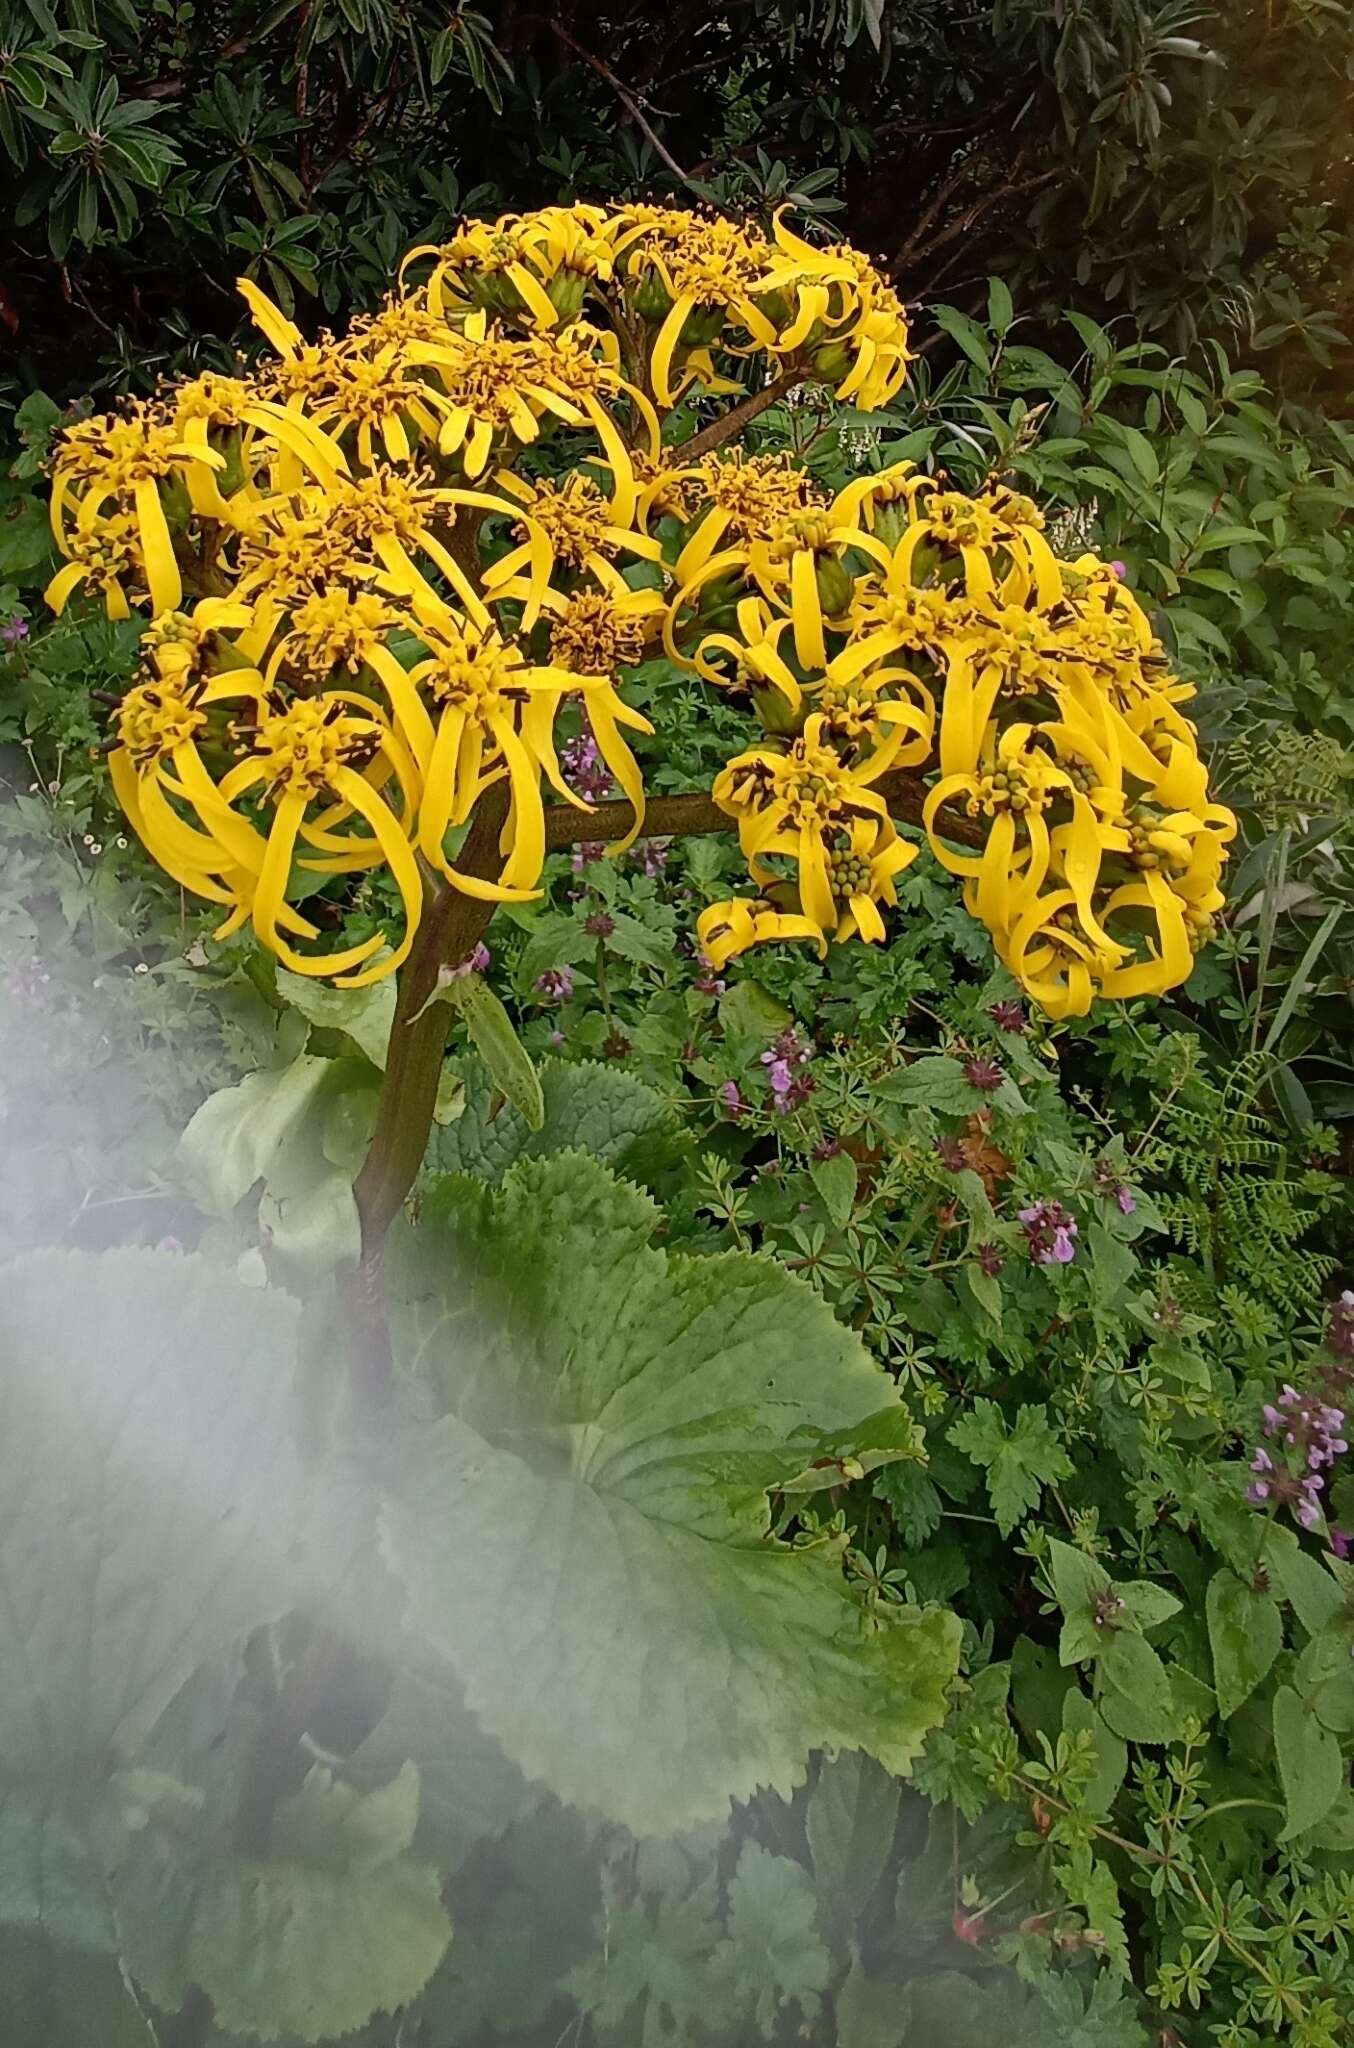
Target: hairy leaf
(1245,1633)
(588,1107)
(590,1518)
(774,1952)
(1136,1698)
(336,1924)
(1310,1768)
(1020,1461)
(851,1816)
(495,1039)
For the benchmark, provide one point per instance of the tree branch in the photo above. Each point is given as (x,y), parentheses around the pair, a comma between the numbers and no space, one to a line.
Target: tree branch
(1014,188)
(694,814)
(738,416)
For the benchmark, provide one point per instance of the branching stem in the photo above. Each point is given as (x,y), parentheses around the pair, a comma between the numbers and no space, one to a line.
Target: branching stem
(452,926)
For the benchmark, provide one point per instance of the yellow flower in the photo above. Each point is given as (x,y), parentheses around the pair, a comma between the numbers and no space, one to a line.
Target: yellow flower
(875,714)
(1013,788)
(595,632)
(319,751)
(308,541)
(125,464)
(982,531)
(748,495)
(496,389)
(107,558)
(496,713)
(157,773)
(726,929)
(862,868)
(847,312)
(796,805)
(534,267)
(797,562)
(690,274)
(574,526)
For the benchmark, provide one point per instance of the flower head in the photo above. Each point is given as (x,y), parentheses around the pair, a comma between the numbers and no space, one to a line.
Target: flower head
(1050,1232)
(556,985)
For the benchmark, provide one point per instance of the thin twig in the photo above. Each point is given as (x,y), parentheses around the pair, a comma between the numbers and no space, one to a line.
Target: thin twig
(623,94)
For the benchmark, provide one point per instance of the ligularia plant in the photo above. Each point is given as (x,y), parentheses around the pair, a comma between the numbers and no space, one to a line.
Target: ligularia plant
(373,594)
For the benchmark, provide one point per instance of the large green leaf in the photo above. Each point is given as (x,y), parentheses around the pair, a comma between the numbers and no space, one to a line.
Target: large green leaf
(272,1127)
(150,1506)
(584,1535)
(588,1107)
(336,1923)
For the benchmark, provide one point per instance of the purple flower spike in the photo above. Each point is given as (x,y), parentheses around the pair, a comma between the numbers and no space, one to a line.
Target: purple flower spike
(556,985)
(1049,1232)
(1307,1429)
(786,1060)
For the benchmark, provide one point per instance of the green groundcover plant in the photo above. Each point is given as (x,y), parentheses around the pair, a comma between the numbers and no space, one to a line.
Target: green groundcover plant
(857,1549)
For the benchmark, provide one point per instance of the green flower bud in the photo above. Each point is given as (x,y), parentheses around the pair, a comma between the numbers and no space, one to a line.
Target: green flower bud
(703,324)
(775,710)
(835,584)
(832,362)
(651,298)
(891,521)
(565,292)
(178,506)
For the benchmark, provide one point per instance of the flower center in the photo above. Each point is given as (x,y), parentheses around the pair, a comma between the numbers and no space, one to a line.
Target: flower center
(153,719)
(304,747)
(592,638)
(574,518)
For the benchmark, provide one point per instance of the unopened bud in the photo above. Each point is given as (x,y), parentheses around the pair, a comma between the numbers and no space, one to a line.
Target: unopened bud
(835,584)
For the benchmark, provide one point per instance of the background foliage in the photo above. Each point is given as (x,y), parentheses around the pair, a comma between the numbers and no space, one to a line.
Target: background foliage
(1125,224)
(1185,163)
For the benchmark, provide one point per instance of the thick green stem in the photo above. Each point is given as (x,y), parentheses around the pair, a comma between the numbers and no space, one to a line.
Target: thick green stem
(452,927)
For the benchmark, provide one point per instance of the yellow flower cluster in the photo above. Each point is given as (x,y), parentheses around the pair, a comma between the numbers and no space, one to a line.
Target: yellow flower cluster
(904,624)
(371,601)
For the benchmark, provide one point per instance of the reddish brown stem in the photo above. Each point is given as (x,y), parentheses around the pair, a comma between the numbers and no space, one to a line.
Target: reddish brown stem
(452,926)
(738,416)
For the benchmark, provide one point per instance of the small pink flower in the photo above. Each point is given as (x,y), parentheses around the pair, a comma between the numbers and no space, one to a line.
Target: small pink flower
(731,1097)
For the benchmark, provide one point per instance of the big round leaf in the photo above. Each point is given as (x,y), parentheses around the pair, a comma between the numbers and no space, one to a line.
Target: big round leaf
(585,1533)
